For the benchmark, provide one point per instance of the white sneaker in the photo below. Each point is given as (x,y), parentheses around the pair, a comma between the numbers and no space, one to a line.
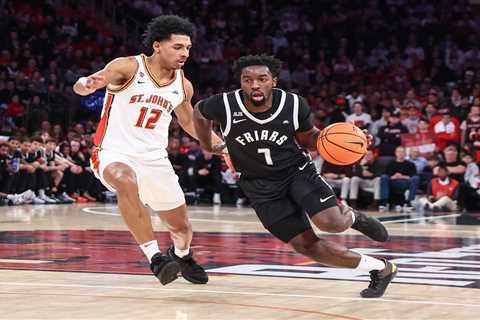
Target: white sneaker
(67,197)
(47,199)
(28,196)
(37,200)
(216,198)
(398,208)
(16,199)
(383,208)
(240,201)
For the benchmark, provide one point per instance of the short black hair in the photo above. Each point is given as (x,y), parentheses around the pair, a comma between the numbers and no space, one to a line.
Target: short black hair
(162,27)
(271,62)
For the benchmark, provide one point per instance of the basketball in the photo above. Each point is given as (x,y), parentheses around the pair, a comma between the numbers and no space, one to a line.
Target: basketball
(342,144)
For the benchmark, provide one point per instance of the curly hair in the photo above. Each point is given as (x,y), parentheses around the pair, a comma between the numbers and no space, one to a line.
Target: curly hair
(162,27)
(271,62)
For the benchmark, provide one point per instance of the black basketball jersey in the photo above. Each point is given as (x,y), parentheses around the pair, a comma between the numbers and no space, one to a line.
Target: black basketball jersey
(261,144)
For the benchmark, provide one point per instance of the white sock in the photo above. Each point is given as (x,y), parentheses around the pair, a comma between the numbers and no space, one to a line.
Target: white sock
(368,264)
(181,253)
(150,248)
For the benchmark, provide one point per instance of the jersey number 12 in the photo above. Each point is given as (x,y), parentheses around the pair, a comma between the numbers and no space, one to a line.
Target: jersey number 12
(153,118)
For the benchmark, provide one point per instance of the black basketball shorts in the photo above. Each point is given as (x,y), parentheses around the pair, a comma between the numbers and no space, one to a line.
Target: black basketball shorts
(282,205)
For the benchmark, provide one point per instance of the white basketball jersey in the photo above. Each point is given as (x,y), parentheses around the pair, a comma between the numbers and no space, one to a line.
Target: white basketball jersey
(136,116)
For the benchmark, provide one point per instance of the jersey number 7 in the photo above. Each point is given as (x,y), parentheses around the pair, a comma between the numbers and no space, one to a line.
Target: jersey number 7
(153,118)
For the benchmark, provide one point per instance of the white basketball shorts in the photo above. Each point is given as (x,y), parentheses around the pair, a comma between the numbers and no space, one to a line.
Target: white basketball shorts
(158,185)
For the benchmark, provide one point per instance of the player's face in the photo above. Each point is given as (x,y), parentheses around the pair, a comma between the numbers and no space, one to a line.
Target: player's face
(257,83)
(173,52)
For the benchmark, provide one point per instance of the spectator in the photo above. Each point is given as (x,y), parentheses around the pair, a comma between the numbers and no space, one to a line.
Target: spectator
(390,135)
(411,123)
(456,167)
(338,177)
(382,122)
(471,130)
(366,176)
(419,161)
(358,117)
(401,175)
(208,175)
(446,131)
(442,192)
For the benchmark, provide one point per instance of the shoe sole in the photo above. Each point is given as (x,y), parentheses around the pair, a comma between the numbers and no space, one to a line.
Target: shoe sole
(169,273)
(193,280)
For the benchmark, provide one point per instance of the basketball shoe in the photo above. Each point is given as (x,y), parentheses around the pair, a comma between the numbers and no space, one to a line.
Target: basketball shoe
(370,226)
(164,268)
(379,280)
(191,270)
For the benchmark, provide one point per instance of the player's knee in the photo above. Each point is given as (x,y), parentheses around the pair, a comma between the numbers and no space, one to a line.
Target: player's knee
(331,220)
(124,181)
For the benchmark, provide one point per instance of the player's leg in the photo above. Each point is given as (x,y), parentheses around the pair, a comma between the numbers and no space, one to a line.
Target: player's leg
(159,189)
(310,191)
(296,230)
(122,178)
(177,223)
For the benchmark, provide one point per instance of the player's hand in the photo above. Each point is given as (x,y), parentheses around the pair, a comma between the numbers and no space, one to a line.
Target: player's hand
(90,84)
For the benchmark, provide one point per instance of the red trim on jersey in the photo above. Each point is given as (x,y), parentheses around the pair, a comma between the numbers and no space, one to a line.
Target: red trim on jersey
(95,161)
(102,126)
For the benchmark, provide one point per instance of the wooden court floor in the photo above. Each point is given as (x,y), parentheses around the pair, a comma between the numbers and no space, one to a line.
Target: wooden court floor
(80,262)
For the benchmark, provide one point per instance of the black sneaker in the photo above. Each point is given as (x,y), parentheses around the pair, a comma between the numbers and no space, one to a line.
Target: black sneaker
(370,226)
(379,281)
(191,270)
(164,268)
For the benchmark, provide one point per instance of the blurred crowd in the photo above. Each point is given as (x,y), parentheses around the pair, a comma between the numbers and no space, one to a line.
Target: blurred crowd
(408,71)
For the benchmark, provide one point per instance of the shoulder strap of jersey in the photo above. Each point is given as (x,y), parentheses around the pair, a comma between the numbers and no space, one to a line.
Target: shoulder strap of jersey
(295,111)
(228,114)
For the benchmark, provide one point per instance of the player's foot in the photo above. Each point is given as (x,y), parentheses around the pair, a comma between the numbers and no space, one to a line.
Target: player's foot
(164,268)
(191,270)
(379,281)
(370,226)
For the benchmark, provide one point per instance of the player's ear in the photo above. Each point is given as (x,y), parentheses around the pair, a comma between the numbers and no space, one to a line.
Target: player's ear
(156,46)
(274,81)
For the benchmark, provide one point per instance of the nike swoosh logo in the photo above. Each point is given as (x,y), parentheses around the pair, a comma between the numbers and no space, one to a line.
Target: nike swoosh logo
(356,142)
(322,200)
(140,82)
(238,120)
(303,167)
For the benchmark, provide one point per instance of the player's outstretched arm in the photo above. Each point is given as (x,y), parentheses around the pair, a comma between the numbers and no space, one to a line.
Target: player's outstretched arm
(116,72)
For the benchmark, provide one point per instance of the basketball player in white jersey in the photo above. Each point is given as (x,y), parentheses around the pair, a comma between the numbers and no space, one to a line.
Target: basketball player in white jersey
(132,136)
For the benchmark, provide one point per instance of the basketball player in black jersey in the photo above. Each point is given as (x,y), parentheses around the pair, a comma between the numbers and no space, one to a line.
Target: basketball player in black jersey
(267,131)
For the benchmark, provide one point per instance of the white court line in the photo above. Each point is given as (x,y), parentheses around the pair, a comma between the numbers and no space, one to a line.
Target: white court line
(104,213)
(422,218)
(242,293)
(24,261)
(93,210)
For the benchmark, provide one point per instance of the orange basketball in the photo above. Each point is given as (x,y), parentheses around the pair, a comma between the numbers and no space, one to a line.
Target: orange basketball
(342,144)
